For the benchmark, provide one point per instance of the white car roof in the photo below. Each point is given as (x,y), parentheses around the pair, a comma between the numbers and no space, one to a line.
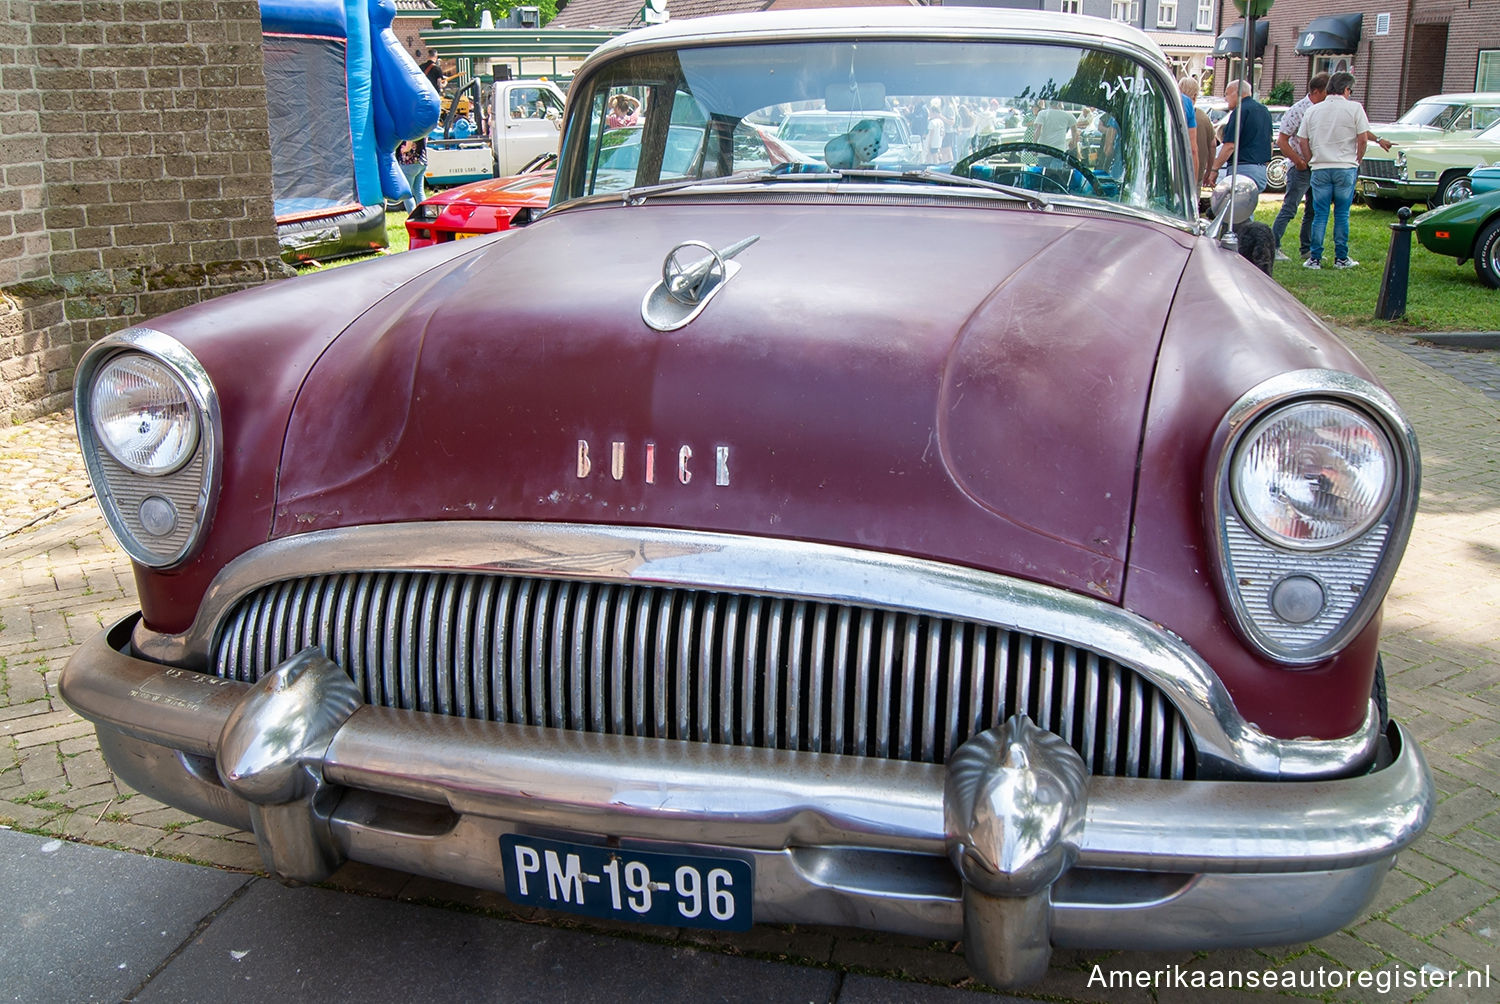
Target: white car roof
(873,22)
(1464,98)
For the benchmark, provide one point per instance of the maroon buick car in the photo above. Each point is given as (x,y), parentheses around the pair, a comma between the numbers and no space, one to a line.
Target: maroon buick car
(949,537)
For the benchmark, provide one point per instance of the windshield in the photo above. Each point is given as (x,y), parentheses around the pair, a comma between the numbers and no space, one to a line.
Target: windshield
(1061,120)
(1439,114)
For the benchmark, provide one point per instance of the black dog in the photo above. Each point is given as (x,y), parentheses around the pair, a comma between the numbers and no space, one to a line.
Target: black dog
(1256,244)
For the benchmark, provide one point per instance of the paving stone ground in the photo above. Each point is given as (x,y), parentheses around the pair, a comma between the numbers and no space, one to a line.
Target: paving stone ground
(62,577)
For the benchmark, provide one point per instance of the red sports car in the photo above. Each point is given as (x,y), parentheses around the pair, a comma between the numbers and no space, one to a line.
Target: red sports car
(480,207)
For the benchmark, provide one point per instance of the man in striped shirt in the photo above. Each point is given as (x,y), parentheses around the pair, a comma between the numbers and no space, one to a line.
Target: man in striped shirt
(1298,174)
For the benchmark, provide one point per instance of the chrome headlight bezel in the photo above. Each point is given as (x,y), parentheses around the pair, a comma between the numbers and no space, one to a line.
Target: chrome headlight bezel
(1269,582)
(157,512)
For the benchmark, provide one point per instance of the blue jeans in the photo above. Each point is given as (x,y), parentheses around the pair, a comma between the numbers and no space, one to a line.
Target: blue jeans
(1297,184)
(416,176)
(1255,172)
(1331,186)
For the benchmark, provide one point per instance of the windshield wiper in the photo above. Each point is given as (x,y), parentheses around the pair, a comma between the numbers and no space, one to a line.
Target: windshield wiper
(636,196)
(928,175)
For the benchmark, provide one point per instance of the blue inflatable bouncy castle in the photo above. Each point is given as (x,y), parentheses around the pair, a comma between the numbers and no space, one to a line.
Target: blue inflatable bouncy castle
(342,94)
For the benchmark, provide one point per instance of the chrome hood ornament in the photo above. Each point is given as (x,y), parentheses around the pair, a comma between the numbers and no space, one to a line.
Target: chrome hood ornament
(687,286)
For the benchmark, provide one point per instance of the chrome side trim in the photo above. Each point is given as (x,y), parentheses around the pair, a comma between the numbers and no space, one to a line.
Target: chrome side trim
(1227,744)
(203,467)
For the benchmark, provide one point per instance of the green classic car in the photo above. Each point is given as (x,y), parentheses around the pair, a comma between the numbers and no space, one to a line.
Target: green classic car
(1434,171)
(1469,229)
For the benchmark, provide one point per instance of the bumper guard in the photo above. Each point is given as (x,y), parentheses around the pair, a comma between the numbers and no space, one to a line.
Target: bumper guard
(1011,844)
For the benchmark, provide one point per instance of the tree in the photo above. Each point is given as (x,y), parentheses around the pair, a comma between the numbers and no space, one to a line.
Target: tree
(465,13)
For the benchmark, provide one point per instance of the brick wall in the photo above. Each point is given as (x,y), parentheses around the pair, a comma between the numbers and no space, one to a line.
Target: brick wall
(137,175)
(1391,70)
(1426,56)
(1473,27)
(408,32)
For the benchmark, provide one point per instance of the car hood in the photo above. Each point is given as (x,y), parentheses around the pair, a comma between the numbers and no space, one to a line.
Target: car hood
(526,189)
(976,399)
(1463,144)
(1396,132)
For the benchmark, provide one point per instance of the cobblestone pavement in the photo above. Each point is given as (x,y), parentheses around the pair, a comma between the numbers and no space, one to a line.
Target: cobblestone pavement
(1478,368)
(62,577)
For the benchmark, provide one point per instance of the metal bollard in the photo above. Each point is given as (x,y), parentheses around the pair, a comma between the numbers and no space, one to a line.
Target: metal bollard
(1392,302)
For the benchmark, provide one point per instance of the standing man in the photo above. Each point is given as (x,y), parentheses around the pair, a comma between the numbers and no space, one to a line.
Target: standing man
(1298,174)
(1054,127)
(1254,135)
(1188,88)
(1336,130)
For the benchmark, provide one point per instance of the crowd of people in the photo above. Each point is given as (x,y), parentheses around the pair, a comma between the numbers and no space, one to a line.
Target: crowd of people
(1322,137)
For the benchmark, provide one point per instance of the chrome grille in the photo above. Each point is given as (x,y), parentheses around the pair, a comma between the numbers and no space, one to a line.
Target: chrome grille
(1377,167)
(706,666)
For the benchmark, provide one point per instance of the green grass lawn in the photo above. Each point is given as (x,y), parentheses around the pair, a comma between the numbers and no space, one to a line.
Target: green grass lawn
(1441,295)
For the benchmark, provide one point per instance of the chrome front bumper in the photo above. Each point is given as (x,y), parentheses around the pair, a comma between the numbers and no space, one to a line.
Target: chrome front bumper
(322,778)
(1391,188)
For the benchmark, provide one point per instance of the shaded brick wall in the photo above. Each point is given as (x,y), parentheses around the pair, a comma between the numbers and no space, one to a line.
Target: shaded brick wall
(1474,26)
(1393,70)
(137,175)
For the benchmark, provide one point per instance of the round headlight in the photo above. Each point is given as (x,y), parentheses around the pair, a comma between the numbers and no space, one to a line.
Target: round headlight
(1313,475)
(143,415)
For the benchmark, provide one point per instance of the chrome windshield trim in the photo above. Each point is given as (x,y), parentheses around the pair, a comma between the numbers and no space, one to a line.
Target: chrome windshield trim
(923,24)
(819,185)
(1227,744)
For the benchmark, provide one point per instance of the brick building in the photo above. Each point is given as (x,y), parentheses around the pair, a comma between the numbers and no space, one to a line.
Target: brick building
(412,18)
(1397,52)
(137,175)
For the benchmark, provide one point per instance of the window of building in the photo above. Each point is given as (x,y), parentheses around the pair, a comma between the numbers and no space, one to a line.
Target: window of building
(1232,70)
(1488,77)
(1125,10)
(1166,14)
(1071,6)
(1205,15)
(1332,64)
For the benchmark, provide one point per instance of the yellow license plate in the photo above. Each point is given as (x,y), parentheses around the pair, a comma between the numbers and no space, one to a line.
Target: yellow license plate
(459,237)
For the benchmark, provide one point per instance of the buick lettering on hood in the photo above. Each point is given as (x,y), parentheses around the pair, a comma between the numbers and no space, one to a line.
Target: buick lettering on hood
(934,528)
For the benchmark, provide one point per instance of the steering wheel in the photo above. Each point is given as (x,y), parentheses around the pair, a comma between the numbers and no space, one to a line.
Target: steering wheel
(962,167)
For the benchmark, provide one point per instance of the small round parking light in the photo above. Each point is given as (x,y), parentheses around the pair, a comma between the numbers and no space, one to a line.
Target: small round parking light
(1297,599)
(158,516)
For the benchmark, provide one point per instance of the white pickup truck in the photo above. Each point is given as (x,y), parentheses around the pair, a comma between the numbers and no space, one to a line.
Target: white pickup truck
(524,119)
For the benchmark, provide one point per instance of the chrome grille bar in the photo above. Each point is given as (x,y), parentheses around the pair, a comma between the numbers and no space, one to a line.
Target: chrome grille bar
(715,667)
